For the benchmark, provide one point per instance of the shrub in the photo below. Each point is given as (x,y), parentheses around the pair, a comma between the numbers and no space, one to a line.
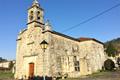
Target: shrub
(109,65)
(118,60)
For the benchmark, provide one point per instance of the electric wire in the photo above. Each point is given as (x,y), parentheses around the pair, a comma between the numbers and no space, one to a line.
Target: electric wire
(91,18)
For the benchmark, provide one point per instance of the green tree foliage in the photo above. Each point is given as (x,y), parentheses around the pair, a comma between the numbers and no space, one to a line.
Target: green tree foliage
(114,43)
(111,51)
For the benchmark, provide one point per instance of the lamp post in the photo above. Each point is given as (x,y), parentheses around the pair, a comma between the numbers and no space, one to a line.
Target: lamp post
(44,46)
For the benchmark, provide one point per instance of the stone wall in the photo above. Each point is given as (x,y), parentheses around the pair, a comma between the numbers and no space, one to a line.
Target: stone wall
(62,50)
(5,64)
(93,54)
(28,50)
(59,57)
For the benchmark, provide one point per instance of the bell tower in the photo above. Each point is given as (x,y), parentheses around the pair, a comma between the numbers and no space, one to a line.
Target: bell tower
(35,14)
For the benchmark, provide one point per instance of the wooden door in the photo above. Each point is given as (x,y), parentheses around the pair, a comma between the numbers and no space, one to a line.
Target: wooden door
(31,69)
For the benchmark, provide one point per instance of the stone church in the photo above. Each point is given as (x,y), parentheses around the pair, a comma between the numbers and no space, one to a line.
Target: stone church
(64,56)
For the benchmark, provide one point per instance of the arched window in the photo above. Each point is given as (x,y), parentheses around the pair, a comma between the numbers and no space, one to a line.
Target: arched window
(31,15)
(38,15)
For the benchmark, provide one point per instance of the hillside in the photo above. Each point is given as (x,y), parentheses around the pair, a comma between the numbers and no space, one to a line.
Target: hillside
(115,43)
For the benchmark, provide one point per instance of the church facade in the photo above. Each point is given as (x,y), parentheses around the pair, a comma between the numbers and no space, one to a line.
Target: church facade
(64,56)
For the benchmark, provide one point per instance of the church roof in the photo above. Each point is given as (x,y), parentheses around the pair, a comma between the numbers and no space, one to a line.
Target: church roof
(35,4)
(75,39)
(87,39)
(63,35)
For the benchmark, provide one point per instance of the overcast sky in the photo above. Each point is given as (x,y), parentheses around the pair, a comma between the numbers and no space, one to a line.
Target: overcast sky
(62,14)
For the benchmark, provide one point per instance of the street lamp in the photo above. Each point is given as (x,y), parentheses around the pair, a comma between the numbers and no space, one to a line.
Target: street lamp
(44,46)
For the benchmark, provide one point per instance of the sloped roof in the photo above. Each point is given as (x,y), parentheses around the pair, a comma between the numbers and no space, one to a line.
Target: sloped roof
(75,39)
(87,39)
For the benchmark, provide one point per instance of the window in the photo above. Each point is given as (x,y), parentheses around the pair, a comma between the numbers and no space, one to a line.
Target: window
(76,65)
(31,15)
(38,18)
(74,58)
(38,15)
(31,12)
(38,12)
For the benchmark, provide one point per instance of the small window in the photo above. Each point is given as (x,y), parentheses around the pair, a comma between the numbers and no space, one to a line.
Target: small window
(31,15)
(74,58)
(76,65)
(31,12)
(38,13)
(38,18)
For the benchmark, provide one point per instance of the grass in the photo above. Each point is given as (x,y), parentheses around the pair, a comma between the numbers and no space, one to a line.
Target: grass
(97,74)
(6,74)
(94,75)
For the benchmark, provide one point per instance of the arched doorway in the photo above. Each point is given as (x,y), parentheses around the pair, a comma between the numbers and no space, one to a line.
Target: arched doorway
(31,69)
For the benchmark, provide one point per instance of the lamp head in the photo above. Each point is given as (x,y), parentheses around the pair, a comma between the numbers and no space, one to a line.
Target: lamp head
(44,44)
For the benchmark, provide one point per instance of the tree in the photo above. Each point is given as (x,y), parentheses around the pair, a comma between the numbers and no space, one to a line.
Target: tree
(111,51)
